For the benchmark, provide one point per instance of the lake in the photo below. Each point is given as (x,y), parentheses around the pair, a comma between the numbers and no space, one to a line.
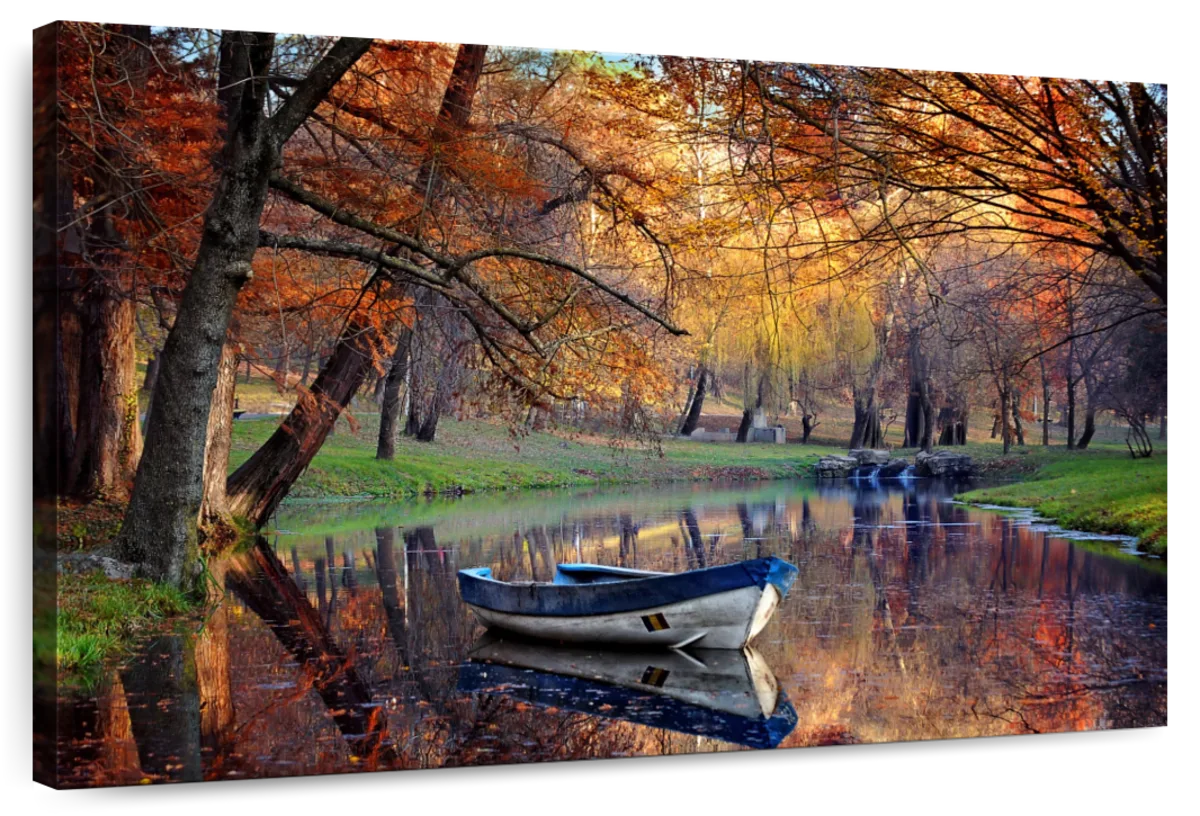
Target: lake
(340,644)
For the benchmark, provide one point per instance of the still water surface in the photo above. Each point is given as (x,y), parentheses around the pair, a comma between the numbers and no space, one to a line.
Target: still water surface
(340,643)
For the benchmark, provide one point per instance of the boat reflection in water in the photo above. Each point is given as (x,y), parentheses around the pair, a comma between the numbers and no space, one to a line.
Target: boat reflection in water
(730,695)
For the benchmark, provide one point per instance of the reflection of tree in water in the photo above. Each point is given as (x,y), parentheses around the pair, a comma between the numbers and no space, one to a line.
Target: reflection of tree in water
(258,579)
(693,539)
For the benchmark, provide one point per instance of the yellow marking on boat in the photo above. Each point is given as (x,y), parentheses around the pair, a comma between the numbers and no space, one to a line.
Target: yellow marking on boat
(653,676)
(656,622)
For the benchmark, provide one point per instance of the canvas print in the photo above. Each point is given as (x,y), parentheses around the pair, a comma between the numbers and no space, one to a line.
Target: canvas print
(405,405)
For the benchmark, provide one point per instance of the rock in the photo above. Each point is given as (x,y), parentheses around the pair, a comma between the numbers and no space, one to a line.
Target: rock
(865,456)
(893,468)
(944,463)
(835,467)
(79,562)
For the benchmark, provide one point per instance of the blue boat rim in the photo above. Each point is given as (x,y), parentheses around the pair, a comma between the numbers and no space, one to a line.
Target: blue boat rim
(479,588)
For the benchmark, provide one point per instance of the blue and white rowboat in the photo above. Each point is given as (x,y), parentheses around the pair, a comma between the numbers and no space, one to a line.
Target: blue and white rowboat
(715,608)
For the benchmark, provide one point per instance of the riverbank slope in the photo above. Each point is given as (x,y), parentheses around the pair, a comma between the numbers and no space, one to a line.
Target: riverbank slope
(1099,491)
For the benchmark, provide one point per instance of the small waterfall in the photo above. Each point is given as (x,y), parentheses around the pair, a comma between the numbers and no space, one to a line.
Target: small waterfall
(866,473)
(908,474)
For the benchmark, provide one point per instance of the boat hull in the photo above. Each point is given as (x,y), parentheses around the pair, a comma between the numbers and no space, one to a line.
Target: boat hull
(723,620)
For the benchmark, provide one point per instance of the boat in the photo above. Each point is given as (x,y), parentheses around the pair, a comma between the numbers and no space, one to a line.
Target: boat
(720,607)
(730,695)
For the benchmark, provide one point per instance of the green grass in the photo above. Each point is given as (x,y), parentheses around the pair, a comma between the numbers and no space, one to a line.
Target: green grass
(1095,491)
(98,618)
(474,456)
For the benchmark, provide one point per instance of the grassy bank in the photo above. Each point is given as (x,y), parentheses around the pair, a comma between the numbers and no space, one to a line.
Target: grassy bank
(1096,491)
(474,456)
(98,618)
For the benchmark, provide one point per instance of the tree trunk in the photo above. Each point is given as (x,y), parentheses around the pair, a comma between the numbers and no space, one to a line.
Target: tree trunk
(1089,416)
(687,403)
(927,404)
(214,508)
(1005,427)
(106,438)
(389,411)
(743,431)
(1162,425)
(1071,413)
(1089,426)
(308,358)
(692,419)
(1045,404)
(867,432)
(807,424)
(257,487)
(918,430)
(953,421)
(159,532)
(1015,407)
(151,374)
(743,434)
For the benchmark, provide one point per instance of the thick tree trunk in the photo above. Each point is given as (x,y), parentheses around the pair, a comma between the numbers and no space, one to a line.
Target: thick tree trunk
(214,508)
(389,411)
(692,418)
(743,431)
(428,430)
(1089,427)
(159,532)
(1089,416)
(257,487)
(867,432)
(760,393)
(953,421)
(916,433)
(107,439)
